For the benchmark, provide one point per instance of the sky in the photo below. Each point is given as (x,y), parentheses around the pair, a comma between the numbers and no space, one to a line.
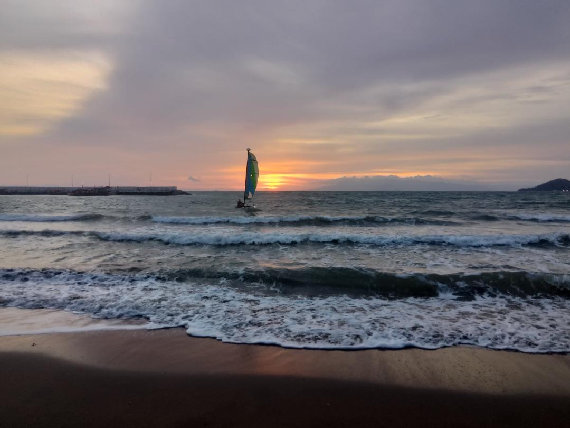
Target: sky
(374,95)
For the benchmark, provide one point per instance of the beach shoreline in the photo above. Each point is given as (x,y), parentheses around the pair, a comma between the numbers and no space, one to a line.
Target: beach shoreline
(164,377)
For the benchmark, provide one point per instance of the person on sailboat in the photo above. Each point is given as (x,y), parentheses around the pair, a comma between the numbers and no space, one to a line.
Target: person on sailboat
(251,177)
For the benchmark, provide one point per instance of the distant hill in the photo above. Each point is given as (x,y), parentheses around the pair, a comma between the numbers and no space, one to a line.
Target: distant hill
(399,184)
(560,184)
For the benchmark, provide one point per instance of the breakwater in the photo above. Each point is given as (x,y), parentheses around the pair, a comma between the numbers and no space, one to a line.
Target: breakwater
(91,191)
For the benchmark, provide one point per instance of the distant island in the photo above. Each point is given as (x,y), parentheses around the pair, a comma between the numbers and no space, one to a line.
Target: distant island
(560,184)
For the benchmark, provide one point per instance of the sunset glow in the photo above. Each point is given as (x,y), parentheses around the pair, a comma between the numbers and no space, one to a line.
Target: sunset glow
(83,93)
(37,91)
(273,181)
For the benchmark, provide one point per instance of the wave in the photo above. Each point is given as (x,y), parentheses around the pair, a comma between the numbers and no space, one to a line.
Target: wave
(536,217)
(303,220)
(541,217)
(316,280)
(300,220)
(44,233)
(339,321)
(253,238)
(282,238)
(50,218)
(441,213)
(356,281)
(485,217)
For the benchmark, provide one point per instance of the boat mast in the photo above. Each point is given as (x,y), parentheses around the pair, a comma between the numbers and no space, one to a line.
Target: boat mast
(247,166)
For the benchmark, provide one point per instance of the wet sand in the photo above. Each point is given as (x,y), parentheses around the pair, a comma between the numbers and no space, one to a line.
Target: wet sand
(165,378)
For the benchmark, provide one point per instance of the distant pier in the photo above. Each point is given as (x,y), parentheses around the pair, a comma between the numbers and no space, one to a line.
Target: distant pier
(92,191)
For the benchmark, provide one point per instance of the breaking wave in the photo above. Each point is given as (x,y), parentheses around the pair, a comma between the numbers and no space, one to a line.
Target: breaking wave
(337,280)
(355,281)
(303,221)
(211,308)
(283,238)
(308,220)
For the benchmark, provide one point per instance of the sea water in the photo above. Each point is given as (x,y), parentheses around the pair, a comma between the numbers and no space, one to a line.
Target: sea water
(328,270)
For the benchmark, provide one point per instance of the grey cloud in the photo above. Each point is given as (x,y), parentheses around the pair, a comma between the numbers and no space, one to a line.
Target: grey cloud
(194,179)
(68,24)
(186,62)
(209,76)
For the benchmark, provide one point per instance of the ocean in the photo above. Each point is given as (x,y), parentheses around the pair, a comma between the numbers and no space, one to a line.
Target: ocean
(324,270)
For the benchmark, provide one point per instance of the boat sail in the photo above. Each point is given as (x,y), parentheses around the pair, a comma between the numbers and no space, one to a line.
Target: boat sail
(251,177)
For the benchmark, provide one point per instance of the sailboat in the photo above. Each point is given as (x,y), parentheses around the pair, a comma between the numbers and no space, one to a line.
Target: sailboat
(251,177)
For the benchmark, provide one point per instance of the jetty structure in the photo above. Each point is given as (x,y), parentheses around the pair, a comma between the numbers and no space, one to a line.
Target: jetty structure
(92,191)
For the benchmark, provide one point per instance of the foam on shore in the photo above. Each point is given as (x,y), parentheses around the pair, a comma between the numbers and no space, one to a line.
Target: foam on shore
(461,369)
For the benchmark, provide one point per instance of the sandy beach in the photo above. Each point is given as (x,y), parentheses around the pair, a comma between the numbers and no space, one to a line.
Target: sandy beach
(165,378)
(284,214)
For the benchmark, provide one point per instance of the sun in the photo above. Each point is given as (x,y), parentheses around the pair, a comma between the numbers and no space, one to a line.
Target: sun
(272,181)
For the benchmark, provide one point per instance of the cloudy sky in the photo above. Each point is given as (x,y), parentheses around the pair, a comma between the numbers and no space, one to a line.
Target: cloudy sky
(326,93)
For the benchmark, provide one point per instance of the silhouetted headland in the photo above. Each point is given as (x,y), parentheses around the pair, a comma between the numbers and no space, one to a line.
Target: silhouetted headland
(560,184)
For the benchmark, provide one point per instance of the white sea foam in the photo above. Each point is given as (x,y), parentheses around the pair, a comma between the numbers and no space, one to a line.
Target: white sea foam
(332,322)
(292,220)
(285,238)
(233,237)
